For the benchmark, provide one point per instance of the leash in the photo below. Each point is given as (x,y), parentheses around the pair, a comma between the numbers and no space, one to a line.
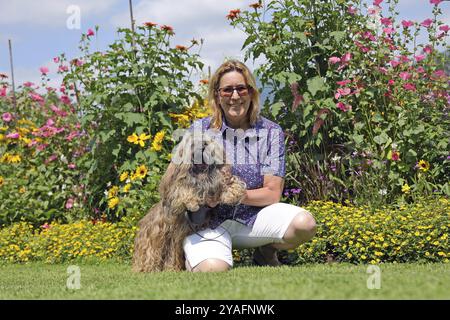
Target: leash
(192,226)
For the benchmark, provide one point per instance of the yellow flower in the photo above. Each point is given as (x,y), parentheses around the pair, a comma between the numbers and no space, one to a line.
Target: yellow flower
(141,171)
(406,188)
(113,192)
(142,138)
(22,189)
(113,202)
(133,138)
(424,165)
(123,176)
(127,187)
(157,141)
(1,181)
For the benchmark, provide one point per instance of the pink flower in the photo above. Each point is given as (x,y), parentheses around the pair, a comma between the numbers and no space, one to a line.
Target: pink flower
(409,86)
(343,107)
(405,75)
(342,92)
(444,28)
(439,74)
(63,68)
(13,135)
(56,60)
(407,23)
(69,203)
(346,57)
(377,2)
(3,92)
(52,158)
(435,2)
(28,84)
(420,70)
(7,117)
(71,165)
(36,97)
(388,30)
(428,49)
(419,58)
(351,10)
(44,70)
(391,82)
(90,32)
(383,70)
(386,21)
(343,82)
(46,226)
(334,60)
(426,23)
(394,63)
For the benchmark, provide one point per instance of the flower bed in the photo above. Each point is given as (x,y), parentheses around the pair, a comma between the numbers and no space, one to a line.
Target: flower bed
(410,233)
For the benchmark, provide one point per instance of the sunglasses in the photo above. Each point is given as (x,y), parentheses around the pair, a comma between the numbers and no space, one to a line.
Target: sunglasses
(228,91)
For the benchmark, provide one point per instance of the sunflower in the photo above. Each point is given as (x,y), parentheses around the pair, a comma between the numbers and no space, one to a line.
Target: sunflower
(113,192)
(141,171)
(157,142)
(127,187)
(123,176)
(113,202)
(133,138)
(1,181)
(424,165)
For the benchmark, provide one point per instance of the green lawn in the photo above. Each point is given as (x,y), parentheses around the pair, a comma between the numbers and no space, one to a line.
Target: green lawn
(319,281)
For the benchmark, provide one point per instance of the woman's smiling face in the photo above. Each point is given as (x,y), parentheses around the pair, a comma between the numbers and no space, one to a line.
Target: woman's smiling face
(235,107)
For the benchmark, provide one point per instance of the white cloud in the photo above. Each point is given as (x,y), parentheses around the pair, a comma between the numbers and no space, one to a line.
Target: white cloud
(190,19)
(49,12)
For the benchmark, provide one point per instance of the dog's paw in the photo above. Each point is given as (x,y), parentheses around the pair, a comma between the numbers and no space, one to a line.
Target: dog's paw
(235,192)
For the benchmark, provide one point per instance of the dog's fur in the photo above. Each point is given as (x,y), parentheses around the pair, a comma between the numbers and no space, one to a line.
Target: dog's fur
(186,186)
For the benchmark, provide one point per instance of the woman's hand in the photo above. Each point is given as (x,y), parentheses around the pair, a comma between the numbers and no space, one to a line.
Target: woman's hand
(269,194)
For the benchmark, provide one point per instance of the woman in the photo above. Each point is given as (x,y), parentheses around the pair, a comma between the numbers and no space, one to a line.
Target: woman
(260,221)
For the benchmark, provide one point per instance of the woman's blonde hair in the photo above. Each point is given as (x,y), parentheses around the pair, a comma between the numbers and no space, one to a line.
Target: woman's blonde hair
(217,112)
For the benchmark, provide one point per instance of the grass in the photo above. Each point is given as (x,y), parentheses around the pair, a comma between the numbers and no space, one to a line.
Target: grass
(112,280)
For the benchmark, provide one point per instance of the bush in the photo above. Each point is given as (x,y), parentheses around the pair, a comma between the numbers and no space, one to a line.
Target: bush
(364,105)
(42,147)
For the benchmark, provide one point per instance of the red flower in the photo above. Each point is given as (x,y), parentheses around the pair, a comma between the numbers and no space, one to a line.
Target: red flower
(167,28)
(395,156)
(233,14)
(90,32)
(150,24)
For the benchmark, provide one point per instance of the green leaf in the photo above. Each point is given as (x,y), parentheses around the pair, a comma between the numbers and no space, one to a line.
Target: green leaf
(381,138)
(316,84)
(131,118)
(275,108)
(338,35)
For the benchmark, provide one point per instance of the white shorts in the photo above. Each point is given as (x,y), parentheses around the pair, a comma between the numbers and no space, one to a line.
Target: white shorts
(270,226)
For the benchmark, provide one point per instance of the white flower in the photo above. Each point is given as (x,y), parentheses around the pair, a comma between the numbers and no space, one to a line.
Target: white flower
(63,187)
(108,184)
(383,192)
(105,193)
(127,181)
(50,193)
(336,158)
(63,158)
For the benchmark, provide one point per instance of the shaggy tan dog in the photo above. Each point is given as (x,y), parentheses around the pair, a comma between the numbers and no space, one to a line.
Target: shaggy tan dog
(201,175)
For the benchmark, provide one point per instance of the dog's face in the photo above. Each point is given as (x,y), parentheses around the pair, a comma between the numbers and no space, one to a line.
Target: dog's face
(199,175)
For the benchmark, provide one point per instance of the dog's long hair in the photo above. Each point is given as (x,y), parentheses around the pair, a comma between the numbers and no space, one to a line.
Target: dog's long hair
(198,172)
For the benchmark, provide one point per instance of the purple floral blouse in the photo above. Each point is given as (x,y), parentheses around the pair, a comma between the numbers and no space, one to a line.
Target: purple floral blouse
(253,153)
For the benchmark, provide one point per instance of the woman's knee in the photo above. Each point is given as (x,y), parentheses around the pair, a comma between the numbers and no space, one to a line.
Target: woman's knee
(303,227)
(212,265)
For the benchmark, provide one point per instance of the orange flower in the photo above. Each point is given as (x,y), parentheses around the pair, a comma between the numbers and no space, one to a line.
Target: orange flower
(167,28)
(256,5)
(150,24)
(204,81)
(233,14)
(181,48)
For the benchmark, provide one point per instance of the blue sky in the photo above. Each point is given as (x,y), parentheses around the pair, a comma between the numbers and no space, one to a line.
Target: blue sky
(39,32)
